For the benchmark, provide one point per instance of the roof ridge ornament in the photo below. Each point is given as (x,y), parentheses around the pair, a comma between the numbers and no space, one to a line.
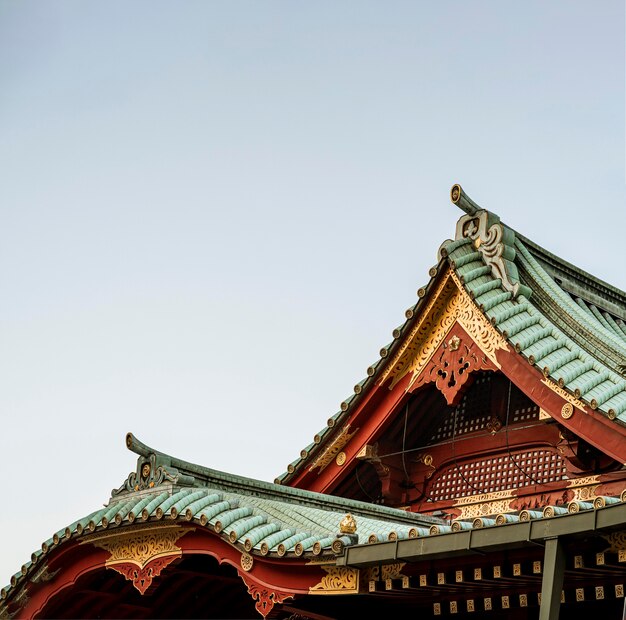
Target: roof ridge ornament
(153,469)
(493,240)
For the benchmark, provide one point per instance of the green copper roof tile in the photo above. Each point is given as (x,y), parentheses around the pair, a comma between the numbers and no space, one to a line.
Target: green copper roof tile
(617,404)
(494,300)
(614,325)
(135,511)
(212,511)
(110,514)
(196,507)
(241,527)
(305,544)
(585,383)
(182,503)
(465,259)
(605,391)
(255,535)
(274,540)
(518,323)
(468,275)
(125,509)
(574,369)
(292,541)
(450,246)
(531,335)
(153,505)
(170,501)
(560,358)
(230,516)
(490,285)
(564,301)
(508,310)
(541,350)
(594,310)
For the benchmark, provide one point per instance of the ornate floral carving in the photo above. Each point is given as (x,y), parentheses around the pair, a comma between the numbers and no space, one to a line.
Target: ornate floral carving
(617,541)
(141,547)
(264,597)
(141,555)
(340,580)
(333,449)
(142,576)
(392,571)
(485,504)
(452,365)
(150,474)
(449,305)
(584,488)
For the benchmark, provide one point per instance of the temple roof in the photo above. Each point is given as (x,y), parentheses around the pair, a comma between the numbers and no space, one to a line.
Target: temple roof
(266,519)
(560,319)
(262,518)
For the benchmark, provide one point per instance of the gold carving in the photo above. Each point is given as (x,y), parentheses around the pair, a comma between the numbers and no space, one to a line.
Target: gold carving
(564,394)
(347,525)
(340,580)
(449,304)
(454,343)
(584,488)
(484,504)
(567,411)
(392,571)
(331,451)
(617,542)
(247,562)
(340,459)
(142,546)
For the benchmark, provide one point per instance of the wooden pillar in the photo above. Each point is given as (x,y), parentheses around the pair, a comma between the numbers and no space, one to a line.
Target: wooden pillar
(552,583)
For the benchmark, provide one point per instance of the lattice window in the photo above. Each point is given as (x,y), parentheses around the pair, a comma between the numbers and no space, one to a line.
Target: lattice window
(498,473)
(474,412)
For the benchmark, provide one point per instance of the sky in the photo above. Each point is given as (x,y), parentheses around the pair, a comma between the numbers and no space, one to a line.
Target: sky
(214,214)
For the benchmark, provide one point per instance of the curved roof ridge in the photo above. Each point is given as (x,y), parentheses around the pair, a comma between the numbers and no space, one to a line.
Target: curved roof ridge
(541,277)
(249,486)
(607,292)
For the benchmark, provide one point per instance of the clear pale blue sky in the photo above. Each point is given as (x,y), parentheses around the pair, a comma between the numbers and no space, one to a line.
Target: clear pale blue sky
(214,214)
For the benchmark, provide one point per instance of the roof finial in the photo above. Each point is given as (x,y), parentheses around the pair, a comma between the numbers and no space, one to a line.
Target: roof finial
(463,201)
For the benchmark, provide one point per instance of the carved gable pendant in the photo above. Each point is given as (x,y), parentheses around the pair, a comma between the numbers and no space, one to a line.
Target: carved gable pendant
(450,340)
